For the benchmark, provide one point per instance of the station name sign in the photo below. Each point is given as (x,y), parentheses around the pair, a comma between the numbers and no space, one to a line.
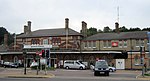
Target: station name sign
(36,46)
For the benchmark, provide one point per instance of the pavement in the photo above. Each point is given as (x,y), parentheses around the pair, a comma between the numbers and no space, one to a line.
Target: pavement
(19,73)
(143,77)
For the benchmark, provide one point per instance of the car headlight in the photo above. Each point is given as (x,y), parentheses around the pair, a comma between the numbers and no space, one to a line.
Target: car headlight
(96,68)
(107,68)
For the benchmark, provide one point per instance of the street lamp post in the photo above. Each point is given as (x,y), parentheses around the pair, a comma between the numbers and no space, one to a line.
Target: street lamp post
(142,60)
(24,54)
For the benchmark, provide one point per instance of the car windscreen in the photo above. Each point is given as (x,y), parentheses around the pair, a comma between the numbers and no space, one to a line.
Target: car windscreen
(101,64)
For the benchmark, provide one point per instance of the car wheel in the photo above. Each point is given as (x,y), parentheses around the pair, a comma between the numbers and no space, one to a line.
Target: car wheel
(111,70)
(67,67)
(81,68)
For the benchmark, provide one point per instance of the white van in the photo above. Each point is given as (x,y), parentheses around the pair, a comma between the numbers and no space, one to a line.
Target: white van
(73,64)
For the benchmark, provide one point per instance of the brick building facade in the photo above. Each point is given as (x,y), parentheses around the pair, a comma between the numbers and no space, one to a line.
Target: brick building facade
(68,44)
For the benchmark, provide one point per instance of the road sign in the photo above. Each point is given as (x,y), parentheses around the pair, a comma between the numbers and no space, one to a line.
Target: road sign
(40,53)
(36,46)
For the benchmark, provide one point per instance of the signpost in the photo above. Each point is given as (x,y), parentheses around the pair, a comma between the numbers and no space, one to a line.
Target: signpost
(43,47)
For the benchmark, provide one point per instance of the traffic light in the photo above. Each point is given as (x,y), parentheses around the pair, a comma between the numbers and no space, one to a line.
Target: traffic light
(47,53)
(43,53)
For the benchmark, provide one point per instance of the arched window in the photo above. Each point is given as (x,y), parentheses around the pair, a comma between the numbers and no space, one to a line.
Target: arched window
(15,59)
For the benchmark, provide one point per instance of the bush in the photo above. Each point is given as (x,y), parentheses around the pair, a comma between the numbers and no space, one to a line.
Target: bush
(147,74)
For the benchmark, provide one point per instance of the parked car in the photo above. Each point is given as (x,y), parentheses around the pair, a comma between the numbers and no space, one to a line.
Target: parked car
(10,65)
(33,64)
(101,66)
(73,64)
(112,69)
(92,67)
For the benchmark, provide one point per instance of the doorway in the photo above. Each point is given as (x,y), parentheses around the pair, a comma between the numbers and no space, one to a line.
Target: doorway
(120,63)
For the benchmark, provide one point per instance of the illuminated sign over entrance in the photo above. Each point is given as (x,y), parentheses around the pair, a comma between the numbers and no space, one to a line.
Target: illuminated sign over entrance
(36,46)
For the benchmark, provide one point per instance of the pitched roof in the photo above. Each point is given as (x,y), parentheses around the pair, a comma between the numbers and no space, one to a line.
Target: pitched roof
(119,36)
(49,32)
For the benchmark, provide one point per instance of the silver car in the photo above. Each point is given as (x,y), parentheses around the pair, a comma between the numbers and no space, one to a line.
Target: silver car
(73,64)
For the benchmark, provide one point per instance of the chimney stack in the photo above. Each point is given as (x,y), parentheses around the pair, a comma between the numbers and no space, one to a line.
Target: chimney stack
(6,40)
(25,29)
(117,27)
(84,29)
(66,23)
(29,26)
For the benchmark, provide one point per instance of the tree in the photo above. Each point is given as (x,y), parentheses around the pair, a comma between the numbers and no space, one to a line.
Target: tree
(3,31)
(100,31)
(107,29)
(135,29)
(123,29)
(91,31)
(146,29)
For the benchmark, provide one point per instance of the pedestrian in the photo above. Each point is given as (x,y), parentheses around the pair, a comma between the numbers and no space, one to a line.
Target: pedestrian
(145,67)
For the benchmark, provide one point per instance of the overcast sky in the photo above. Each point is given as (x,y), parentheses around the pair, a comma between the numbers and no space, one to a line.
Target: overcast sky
(49,14)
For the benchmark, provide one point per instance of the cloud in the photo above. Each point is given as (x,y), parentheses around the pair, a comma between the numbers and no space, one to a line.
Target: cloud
(52,13)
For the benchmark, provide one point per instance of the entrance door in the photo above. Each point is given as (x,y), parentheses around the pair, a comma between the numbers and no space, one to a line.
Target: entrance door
(120,64)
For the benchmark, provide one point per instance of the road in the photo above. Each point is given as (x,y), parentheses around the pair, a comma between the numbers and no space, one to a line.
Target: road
(82,75)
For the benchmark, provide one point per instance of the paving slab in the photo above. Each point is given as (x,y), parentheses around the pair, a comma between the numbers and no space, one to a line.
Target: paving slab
(19,73)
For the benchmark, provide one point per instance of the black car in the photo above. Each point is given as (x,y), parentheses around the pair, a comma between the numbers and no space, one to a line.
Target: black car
(101,66)
(10,65)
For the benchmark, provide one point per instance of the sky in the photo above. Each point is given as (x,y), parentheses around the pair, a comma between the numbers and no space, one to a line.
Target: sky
(50,14)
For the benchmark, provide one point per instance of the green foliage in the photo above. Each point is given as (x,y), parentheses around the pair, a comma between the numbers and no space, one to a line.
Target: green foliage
(91,31)
(107,29)
(147,74)
(100,31)
(135,29)
(146,29)
(3,31)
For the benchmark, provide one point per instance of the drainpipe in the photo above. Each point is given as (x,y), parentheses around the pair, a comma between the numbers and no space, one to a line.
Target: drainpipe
(131,53)
(99,45)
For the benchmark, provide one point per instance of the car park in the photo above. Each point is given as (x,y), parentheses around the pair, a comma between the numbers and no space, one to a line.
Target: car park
(101,66)
(10,65)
